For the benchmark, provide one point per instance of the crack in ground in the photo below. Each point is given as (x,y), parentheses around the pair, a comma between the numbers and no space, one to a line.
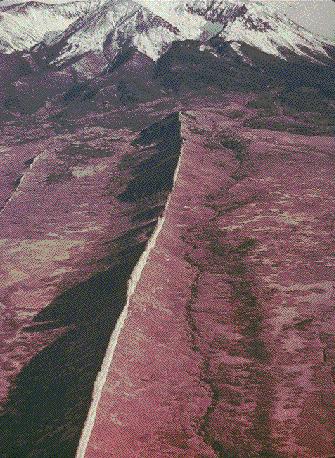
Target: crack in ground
(230,260)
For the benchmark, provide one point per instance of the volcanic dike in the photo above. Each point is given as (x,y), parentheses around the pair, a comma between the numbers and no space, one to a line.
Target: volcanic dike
(202,284)
(208,354)
(132,284)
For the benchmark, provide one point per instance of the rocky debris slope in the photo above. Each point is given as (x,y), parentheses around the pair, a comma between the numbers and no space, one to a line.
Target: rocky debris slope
(228,348)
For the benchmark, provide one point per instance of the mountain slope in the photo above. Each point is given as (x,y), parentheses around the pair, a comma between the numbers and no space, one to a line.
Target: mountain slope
(24,25)
(82,26)
(118,24)
(188,43)
(255,23)
(152,27)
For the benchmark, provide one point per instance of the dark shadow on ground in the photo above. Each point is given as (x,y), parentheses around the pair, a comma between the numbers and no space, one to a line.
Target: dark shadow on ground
(49,402)
(47,408)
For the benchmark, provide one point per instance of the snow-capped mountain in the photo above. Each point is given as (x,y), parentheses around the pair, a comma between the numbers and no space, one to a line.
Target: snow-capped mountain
(118,24)
(79,27)
(24,25)
(152,26)
(255,23)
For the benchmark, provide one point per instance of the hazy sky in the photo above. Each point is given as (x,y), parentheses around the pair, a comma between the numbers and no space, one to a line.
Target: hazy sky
(316,15)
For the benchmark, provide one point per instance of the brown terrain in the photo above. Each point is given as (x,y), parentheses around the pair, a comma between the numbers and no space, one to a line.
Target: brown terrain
(220,211)
(167,232)
(229,346)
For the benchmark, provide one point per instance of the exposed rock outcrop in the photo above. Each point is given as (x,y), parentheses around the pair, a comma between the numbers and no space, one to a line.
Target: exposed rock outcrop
(228,347)
(73,227)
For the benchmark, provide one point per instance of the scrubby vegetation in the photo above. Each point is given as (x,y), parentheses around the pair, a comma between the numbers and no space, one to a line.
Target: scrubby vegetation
(304,110)
(230,141)
(265,102)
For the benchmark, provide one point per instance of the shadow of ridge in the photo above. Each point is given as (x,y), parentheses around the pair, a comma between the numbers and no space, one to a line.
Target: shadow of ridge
(50,398)
(154,173)
(48,405)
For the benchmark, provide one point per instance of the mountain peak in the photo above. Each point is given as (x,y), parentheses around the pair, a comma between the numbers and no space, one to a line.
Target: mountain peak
(25,24)
(256,23)
(116,25)
(151,27)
